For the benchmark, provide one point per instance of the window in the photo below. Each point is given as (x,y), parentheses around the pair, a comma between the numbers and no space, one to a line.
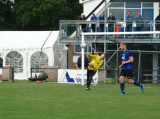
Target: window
(77,48)
(148,14)
(38,59)
(118,13)
(133,11)
(148,4)
(15,59)
(116,4)
(133,5)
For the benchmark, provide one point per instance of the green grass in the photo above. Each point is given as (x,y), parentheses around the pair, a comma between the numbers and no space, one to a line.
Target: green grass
(24,100)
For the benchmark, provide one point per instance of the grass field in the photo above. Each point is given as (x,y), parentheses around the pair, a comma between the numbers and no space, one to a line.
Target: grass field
(24,100)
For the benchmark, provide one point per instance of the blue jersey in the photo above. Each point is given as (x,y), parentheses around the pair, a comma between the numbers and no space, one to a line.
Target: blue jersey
(101,18)
(93,18)
(125,57)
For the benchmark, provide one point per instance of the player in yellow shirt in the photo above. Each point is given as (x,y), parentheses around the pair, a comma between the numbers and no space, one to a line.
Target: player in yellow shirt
(96,62)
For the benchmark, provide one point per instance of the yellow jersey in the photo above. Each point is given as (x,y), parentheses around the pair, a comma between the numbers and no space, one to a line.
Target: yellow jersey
(95,63)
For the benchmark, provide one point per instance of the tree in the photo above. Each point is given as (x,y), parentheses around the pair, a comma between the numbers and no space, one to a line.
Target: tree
(44,14)
(5,16)
(75,7)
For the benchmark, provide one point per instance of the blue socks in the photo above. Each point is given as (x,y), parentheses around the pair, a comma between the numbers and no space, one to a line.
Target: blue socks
(122,86)
(136,83)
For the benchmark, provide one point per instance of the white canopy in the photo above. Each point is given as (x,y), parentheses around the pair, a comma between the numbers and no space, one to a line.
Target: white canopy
(27,39)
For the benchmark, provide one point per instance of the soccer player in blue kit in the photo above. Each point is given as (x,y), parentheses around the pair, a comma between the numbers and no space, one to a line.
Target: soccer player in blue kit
(127,69)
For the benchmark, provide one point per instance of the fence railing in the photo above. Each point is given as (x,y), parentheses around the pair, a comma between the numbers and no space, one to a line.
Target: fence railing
(74,28)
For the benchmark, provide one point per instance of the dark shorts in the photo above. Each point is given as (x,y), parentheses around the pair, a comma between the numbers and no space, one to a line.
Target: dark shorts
(127,73)
(90,73)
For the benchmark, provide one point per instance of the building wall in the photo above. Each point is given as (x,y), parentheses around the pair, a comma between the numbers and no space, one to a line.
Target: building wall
(72,56)
(71,53)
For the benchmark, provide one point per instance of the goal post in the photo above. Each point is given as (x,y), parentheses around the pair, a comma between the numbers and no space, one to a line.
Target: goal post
(83,43)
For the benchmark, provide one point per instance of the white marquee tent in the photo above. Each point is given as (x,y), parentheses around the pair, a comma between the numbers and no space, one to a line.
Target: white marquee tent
(21,49)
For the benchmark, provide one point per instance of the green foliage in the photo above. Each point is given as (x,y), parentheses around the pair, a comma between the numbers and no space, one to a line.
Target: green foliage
(5,16)
(41,14)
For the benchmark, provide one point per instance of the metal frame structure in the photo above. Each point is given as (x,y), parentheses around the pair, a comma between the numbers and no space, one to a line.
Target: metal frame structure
(83,45)
(70,32)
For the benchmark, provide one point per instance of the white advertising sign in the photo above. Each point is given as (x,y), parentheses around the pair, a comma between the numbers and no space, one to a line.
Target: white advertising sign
(74,76)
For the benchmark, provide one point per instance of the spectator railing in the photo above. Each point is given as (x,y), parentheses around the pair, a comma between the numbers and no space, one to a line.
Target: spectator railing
(73,28)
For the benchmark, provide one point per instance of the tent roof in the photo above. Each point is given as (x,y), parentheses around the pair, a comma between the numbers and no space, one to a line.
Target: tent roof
(27,39)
